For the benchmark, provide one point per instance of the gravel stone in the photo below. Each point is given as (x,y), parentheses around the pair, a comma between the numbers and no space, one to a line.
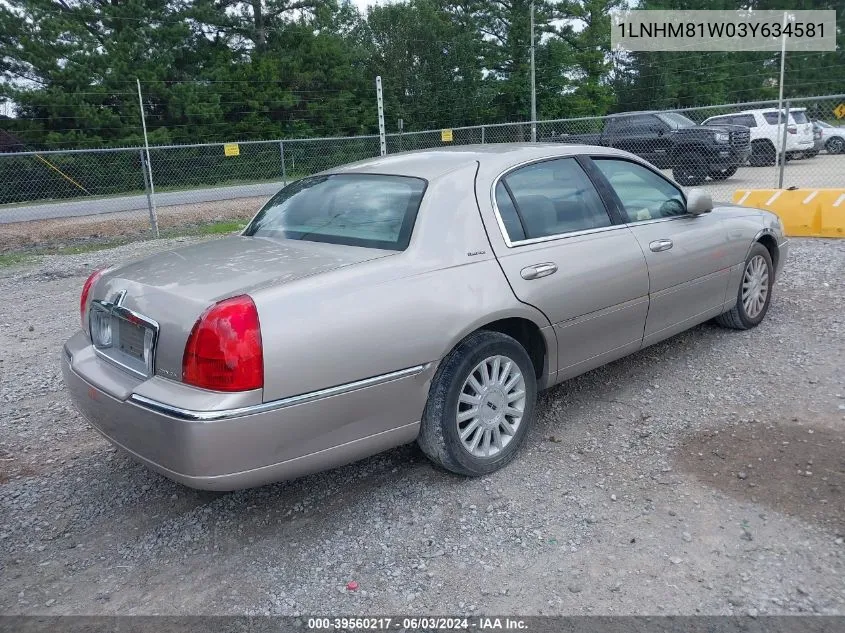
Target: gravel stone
(83,525)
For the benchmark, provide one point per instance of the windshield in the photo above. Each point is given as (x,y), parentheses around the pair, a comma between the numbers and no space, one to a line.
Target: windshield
(369,210)
(675,120)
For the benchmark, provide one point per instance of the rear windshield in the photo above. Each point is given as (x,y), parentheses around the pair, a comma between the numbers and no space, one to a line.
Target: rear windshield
(369,210)
(800,117)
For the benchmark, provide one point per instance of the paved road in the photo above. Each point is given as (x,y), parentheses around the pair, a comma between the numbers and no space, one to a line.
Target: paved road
(96,206)
(821,171)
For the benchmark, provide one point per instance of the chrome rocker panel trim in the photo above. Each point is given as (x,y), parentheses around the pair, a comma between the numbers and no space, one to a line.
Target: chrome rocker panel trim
(224,414)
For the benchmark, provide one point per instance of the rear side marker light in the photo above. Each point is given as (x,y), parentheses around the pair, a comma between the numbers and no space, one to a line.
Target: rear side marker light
(86,292)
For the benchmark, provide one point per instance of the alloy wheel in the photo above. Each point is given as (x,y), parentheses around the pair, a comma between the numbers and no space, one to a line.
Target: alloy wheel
(755,286)
(490,406)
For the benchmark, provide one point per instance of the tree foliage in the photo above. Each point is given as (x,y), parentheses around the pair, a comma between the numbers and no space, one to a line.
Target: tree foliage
(222,70)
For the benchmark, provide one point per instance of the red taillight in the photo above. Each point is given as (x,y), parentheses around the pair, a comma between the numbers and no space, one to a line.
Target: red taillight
(792,129)
(86,290)
(224,351)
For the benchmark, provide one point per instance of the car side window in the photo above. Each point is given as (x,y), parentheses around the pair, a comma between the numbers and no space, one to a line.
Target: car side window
(507,211)
(550,198)
(644,194)
(771,117)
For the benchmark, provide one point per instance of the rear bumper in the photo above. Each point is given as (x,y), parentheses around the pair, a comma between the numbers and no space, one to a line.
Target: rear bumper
(800,145)
(231,448)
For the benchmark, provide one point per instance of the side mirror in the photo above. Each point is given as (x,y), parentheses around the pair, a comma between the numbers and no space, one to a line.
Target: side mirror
(699,202)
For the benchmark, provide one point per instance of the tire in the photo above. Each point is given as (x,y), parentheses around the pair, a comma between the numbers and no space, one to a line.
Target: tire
(762,154)
(725,173)
(440,429)
(690,170)
(741,317)
(835,145)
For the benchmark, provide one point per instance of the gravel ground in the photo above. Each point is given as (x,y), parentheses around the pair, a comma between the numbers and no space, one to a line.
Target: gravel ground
(705,474)
(70,231)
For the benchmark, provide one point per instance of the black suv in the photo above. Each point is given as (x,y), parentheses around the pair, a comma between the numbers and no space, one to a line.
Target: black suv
(671,140)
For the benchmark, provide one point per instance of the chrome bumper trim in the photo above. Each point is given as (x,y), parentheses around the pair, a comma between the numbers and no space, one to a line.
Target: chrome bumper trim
(223,414)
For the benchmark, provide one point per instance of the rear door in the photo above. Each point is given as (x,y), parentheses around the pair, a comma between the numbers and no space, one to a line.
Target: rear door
(564,253)
(688,262)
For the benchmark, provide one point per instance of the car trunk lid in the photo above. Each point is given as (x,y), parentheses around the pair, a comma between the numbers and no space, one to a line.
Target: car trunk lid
(174,288)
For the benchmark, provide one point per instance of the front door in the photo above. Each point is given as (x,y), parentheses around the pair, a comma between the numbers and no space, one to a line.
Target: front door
(563,254)
(687,255)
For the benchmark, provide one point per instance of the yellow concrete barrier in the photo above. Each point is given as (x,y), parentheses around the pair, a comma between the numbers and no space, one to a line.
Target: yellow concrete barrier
(803,212)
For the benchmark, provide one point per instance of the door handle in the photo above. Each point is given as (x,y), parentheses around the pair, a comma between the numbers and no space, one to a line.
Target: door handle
(538,270)
(660,245)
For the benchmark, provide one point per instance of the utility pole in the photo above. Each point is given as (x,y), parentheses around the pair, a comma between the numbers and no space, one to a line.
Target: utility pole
(533,83)
(380,105)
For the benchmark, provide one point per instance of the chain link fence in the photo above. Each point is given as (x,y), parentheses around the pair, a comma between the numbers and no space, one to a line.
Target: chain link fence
(722,148)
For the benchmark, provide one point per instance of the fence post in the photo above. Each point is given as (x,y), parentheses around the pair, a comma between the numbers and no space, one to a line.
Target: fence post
(783,145)
(153,213)
(147,188)
(482,135)
(284,172)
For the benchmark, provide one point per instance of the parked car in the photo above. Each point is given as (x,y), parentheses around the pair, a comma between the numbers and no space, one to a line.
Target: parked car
(830,137)
(767,133)
(671,140)
(425,296)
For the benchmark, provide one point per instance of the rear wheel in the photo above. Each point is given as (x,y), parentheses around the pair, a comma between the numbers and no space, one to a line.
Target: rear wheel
(690,170)
(835,145)
(480,406)
(755,291)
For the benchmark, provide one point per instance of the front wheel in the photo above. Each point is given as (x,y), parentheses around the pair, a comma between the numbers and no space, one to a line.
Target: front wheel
(480,406)
(755,291)
(762,154)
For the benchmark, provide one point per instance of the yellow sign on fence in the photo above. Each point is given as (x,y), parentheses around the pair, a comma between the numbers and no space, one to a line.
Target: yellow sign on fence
(446,136)
(231,149)
(839,111)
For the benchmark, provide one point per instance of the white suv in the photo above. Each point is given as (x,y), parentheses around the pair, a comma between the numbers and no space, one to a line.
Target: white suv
(767,133)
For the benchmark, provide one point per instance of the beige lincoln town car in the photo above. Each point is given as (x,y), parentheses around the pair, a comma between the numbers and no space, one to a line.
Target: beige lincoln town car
(423,297)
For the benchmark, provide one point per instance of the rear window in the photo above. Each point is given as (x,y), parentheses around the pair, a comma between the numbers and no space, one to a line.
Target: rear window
(368,210)
(800,117)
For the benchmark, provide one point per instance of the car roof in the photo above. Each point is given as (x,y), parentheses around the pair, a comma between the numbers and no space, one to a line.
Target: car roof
(763,111)
(431,163)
